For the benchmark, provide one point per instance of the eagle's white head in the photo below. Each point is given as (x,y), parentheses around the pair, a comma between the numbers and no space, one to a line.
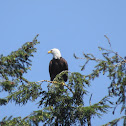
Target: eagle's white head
(55,52)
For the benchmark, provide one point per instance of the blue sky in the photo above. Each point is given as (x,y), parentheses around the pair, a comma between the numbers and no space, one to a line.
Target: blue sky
(73,26)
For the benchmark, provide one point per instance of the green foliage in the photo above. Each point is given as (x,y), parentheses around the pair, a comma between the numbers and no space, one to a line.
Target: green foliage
(13,66)
(14,122)
(114,66)
(25,93)
(61,103)
(18,62)
(3,101)
(84,114)
(77,83)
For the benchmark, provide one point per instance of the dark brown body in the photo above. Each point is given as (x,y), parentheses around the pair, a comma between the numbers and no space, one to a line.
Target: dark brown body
(56,66)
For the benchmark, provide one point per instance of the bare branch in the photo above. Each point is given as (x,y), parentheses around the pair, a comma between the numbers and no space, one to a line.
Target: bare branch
(90,100)
(108,40)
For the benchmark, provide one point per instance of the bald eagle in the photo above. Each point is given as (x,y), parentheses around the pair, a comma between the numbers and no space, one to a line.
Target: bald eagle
(57,65)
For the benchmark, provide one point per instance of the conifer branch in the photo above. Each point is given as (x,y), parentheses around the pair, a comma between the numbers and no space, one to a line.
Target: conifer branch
(114,122)
(55,82)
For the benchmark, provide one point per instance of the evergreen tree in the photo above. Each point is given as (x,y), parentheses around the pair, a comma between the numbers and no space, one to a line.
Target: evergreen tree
(62,106)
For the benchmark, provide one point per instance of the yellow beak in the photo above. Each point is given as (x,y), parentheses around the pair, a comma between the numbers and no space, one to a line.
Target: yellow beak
(49,51)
